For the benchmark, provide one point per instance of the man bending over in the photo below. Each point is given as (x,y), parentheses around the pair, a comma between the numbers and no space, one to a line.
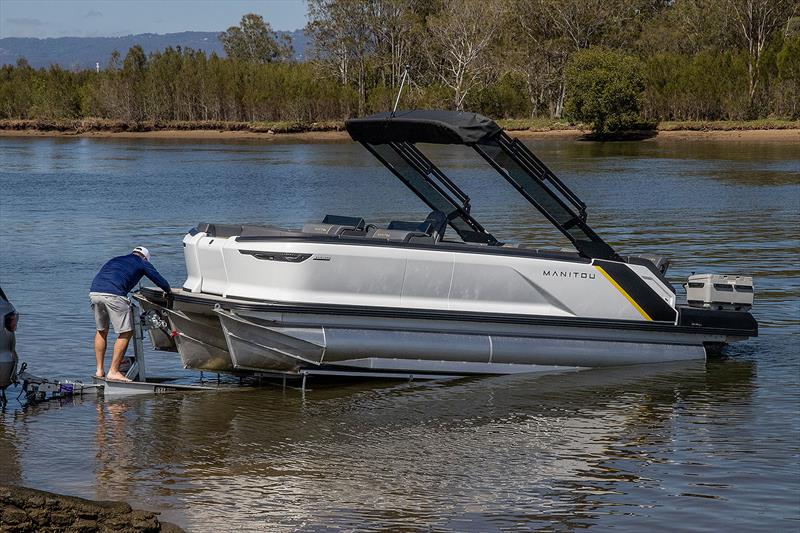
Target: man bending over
(108,295)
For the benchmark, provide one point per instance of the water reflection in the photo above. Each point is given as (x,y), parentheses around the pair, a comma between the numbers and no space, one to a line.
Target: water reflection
(115,459)
(389,455)
(10,471)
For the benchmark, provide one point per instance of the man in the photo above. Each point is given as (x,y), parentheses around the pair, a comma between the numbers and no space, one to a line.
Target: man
(108,295)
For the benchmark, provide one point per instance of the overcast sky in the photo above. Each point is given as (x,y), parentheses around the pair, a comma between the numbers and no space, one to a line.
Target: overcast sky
(113,18)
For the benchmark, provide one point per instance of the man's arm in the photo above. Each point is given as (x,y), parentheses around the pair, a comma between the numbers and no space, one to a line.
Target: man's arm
(153,275)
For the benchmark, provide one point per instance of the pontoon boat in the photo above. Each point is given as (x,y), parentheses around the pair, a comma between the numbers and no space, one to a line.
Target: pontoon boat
(437,296)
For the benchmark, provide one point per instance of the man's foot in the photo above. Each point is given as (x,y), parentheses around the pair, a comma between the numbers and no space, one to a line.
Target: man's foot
(116,376)
(100,374)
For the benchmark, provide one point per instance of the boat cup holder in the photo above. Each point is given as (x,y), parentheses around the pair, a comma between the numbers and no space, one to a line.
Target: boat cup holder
(719,292)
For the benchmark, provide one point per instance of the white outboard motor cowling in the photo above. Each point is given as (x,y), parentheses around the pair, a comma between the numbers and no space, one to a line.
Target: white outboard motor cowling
(721,293)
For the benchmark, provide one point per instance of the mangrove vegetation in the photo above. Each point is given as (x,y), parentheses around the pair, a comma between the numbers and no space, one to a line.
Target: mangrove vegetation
(614,64)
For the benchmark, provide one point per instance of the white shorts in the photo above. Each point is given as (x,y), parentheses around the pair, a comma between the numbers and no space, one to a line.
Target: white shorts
(111,307)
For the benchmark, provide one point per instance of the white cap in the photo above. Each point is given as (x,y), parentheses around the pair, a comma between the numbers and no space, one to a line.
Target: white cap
(142,250)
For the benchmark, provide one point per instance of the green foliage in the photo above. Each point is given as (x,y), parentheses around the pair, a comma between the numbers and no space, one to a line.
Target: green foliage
(505,98)
(730,125)
(15,90)
(254,40)
(175,85)
(604,89)
(526,60)
(709,85)
(788,59)
(788,66)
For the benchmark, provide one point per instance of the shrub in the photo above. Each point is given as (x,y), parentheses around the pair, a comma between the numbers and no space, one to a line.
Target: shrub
(604,88)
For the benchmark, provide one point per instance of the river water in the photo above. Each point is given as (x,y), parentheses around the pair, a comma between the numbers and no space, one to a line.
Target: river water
(698,447)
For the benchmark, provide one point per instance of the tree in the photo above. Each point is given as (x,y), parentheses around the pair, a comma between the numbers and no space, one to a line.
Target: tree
(113,60)
(502,58)
(458,40)
(544,33)
(393,25)
(344,40)
(757,21)
(687,27)
(788,63)
(539,56)
(133,72)
(253,40)
(583,23)
(604,88)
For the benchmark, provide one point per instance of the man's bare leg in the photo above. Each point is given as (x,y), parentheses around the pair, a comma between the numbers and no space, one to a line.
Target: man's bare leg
(100,351)
(120,346)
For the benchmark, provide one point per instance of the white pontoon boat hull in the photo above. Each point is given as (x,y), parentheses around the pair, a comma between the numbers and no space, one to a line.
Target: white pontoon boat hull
(344,294)
(241,336)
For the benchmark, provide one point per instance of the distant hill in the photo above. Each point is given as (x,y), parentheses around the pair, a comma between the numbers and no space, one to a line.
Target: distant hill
(84,52)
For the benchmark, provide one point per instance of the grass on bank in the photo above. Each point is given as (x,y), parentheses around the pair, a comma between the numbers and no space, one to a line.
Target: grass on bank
(540,124)
(729,125)
(547,124)
(88,125)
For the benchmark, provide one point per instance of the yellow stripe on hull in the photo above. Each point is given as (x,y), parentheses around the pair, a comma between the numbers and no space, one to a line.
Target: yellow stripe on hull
(622,291)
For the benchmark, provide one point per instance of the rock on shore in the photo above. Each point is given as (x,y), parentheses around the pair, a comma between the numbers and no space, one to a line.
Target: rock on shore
(24,510)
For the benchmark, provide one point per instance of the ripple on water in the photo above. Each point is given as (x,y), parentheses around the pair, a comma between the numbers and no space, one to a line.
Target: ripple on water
(693,446)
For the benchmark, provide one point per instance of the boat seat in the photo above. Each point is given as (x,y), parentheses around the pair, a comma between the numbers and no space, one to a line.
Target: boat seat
(419,239)
(224,231)
(268,231)
(354,222)
(431,229)
(331,230)
(334,225)
(400,235)
(220,230)
(353,233)
(421,227)
(438,221)
(657,264)
(659,261)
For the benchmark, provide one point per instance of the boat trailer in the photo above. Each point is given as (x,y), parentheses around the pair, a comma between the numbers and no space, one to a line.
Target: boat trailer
(141,382)
(38,389)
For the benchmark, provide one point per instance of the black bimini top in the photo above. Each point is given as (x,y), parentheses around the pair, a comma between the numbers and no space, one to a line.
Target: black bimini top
(392,138)
(436,126)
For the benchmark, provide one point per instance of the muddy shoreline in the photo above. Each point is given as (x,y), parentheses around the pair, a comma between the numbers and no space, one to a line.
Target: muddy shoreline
(786,135)
(25,509)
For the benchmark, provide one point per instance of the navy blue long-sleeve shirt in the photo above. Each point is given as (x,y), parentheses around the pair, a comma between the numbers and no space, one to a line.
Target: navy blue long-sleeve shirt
(121,274)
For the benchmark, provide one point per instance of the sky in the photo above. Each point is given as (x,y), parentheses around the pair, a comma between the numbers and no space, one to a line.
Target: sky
(114,18)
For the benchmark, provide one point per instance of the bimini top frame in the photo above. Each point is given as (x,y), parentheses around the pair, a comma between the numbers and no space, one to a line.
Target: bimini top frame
(393,141)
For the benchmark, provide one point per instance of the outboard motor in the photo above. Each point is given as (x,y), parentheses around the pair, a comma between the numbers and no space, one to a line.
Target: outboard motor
(721,293)
(161,335)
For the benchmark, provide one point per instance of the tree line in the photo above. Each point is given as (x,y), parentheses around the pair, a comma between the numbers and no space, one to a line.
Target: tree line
(610,62)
